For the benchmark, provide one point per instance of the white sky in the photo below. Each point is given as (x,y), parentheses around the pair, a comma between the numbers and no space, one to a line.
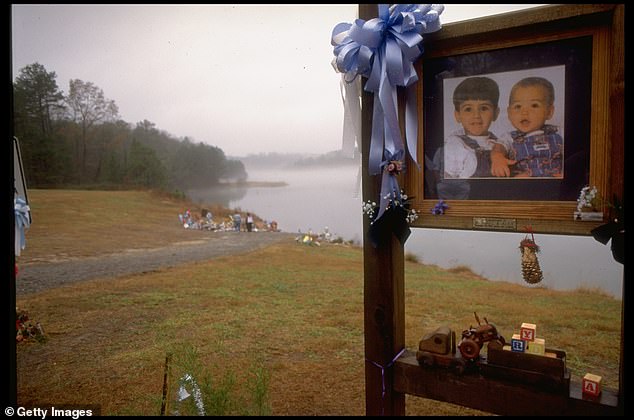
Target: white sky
(247,79)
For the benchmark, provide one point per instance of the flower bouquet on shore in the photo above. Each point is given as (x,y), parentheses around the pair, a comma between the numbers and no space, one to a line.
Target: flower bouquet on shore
(26,328)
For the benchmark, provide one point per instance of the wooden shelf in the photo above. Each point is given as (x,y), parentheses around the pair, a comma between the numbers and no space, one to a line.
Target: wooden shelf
(496,395)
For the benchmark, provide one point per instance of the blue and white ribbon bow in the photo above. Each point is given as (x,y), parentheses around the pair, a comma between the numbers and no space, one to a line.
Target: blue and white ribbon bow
(22,222)
(384,50)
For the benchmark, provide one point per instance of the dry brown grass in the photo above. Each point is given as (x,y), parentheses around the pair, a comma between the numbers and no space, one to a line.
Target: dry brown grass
(78,223)
(297,310)
(293,309)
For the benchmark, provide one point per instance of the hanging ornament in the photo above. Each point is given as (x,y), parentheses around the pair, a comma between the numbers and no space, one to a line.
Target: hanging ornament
(531,271)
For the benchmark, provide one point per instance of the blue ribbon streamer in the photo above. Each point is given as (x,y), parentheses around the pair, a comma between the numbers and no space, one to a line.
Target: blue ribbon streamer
(390,191)
(384,50)
(22,222)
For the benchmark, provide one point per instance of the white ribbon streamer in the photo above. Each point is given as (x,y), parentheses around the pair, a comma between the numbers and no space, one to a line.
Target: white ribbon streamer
(351,97)
(183,394)
(22,222)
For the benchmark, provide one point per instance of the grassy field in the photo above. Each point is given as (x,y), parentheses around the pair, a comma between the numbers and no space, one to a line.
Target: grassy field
(75,223)
(278,331)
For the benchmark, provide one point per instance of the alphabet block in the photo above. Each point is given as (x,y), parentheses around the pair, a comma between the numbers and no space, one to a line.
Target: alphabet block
(537,346)
(528,331)
(517,344)
(591,385)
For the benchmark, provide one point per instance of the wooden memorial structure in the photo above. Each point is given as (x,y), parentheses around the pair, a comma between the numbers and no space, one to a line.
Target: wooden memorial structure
(391,371)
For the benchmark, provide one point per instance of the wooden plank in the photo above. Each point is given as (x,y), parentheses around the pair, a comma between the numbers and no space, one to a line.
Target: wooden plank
(546,365)
(512,26)
(617,101)
(538,226)
(495,395)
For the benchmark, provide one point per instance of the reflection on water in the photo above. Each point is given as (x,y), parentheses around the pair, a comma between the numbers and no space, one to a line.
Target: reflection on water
(312,199)
(328,197)
(221,194)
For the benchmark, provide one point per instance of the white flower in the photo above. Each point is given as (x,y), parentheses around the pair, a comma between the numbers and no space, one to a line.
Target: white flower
(411,216)
(587,197)
(368,208)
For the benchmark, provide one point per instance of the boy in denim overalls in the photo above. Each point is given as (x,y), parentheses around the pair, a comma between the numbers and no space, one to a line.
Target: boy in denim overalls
(537,147)
(467,151)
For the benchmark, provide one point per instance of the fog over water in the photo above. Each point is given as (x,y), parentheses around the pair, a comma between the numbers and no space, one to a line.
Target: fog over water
(316,198)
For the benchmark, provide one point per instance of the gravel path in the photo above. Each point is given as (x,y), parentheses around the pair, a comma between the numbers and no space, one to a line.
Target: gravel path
(38,277)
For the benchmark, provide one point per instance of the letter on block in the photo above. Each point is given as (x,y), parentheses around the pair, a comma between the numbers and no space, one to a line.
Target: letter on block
(517,344)
(537,346)
(528,331)
(591,384)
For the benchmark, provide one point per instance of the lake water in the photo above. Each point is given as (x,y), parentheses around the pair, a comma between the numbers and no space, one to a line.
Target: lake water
(329,197)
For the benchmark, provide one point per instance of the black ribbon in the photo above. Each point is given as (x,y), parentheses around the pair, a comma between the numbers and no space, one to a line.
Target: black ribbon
(614,231)
(393,221)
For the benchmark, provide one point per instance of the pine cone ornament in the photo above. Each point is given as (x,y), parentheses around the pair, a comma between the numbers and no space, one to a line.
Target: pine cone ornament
(531,272)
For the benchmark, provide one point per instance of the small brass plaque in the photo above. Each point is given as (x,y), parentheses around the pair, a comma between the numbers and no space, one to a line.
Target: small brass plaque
(494,223)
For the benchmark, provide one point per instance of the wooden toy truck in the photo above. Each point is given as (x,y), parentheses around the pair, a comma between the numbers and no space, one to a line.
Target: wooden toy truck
(439,348)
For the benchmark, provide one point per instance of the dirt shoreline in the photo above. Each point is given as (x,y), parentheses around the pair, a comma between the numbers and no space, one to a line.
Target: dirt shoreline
(38,277)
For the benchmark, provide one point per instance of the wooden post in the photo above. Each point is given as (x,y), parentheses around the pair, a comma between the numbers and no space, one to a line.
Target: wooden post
(617,114)
(383,291)
(166,385)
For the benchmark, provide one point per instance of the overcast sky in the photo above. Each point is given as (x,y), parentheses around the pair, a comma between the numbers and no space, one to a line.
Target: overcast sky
(247,79)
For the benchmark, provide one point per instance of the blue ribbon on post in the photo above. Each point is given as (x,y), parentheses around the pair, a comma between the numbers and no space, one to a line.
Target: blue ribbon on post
(384,50)
(391,166)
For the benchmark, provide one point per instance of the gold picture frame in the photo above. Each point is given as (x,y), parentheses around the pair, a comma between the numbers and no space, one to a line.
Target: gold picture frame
(586,40)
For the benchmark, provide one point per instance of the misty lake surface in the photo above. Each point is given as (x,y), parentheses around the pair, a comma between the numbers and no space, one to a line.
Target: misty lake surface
(319,198)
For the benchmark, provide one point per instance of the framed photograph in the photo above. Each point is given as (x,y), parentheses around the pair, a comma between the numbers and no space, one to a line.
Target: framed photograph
(517,114)
(472,123)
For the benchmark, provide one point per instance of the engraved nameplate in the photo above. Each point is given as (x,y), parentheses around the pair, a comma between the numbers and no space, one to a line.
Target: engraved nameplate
(592,216)
(495,223)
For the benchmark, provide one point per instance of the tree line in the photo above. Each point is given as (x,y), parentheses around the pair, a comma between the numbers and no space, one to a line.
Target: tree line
(78,140)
